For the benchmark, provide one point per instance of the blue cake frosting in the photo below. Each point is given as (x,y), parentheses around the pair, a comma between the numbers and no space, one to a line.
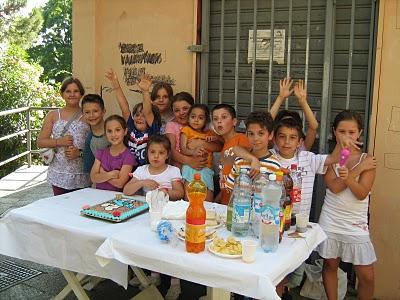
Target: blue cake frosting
(116,210)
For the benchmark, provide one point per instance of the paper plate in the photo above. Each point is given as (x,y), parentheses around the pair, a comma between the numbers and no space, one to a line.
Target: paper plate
(180,233)
(222,254)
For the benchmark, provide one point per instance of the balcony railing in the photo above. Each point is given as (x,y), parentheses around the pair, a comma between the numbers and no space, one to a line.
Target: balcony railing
(28,132)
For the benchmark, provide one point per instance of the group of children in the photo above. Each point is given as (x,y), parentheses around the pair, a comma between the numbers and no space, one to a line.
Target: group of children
(166,139)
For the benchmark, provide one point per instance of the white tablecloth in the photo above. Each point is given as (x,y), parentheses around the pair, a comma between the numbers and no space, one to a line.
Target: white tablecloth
(141,247)
(51,231)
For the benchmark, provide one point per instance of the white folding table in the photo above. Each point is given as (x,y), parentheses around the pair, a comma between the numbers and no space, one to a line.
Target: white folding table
(52,232)
(141,247)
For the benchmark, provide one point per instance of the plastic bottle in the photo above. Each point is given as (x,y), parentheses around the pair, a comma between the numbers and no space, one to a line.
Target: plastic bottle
(229,209)
(280,181)
(196,216)
(241,204)
(269,229)
(295,174)
(260,182)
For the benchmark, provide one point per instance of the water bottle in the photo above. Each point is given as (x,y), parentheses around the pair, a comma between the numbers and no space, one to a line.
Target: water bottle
(241,204)
(269,226)
(295,173)
(259,183)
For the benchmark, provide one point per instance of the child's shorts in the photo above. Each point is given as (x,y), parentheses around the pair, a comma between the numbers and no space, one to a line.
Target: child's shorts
(207,175)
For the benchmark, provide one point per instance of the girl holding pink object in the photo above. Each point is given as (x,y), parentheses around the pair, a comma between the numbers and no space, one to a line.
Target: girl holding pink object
(344,215)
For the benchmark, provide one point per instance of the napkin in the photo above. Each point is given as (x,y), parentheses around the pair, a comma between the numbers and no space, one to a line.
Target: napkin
(175,210)
(156,200)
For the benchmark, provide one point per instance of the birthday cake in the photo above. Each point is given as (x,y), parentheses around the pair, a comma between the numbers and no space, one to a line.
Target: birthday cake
(116,210)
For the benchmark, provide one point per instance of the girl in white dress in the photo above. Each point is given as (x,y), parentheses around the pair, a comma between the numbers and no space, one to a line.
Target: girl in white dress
(344,215)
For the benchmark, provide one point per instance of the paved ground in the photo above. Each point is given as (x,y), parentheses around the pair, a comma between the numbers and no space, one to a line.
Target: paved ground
(27,185)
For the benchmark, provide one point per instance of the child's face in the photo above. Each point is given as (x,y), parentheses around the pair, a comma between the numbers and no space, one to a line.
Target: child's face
(115,133)
(72,94)
(197,119)
(93,113)
(287,140)
(157,155)
(349,129)
(258,136)
(222,121)
(162,100)
(139,120)
(181,109)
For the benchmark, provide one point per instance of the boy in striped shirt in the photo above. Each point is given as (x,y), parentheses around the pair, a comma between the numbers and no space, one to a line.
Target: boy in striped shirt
(259,130)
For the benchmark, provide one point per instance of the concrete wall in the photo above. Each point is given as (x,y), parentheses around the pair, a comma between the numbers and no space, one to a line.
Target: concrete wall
(385,145)
(158,30)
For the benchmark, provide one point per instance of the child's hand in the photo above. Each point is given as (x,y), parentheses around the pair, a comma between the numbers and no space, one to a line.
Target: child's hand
(345,142)
(66,140)
(284,87)
(255,168)
(195,143)
(150,184)
(114,174)
(164,190)
(112,76)
(145,82)
(368,163)
(201,152)
(300,91)
(343,173)
(211,138)
(71,152)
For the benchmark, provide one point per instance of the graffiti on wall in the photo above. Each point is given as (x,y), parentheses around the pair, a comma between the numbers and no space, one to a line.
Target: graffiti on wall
(134,59)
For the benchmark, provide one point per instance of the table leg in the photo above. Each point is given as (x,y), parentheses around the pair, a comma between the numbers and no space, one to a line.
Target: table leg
(217,294)
(74,284)
(150,291)
(61,295)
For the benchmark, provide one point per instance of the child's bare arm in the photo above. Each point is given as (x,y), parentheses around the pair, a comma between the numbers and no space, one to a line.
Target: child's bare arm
(363,186)
(300,90)
(184,146)
(177,191)
(195,162)
(285,91)
(98,176)
(122,102)
(333,182)
(122,178)
(133,186)
(144,85)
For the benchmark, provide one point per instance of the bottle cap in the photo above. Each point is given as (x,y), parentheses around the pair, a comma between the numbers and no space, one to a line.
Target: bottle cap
(243,170)
(197,176)
(272,177)
(293,167)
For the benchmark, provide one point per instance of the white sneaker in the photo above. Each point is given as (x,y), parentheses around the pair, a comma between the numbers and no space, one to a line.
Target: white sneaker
(173,292)
(153,280)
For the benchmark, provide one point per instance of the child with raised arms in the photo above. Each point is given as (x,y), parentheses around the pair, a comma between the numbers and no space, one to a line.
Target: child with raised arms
(113,164)
(143,122)
(300,92)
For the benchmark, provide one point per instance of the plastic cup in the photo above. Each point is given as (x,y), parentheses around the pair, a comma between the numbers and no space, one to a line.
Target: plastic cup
(155,217)
(301,222)
(249,250)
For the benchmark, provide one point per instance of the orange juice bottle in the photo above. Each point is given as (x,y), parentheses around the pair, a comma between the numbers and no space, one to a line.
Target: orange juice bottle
(195,234)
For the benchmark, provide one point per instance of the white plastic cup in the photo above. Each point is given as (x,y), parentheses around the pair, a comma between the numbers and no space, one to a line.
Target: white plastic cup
(155,217)
(249,250)
(301,222)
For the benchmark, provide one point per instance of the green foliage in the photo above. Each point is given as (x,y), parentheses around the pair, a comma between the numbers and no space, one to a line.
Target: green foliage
(8,11)
(25,30)
(20,87)
(54,53)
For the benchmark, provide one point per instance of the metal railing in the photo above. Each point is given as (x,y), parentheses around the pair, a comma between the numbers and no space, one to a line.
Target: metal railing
(28,131)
